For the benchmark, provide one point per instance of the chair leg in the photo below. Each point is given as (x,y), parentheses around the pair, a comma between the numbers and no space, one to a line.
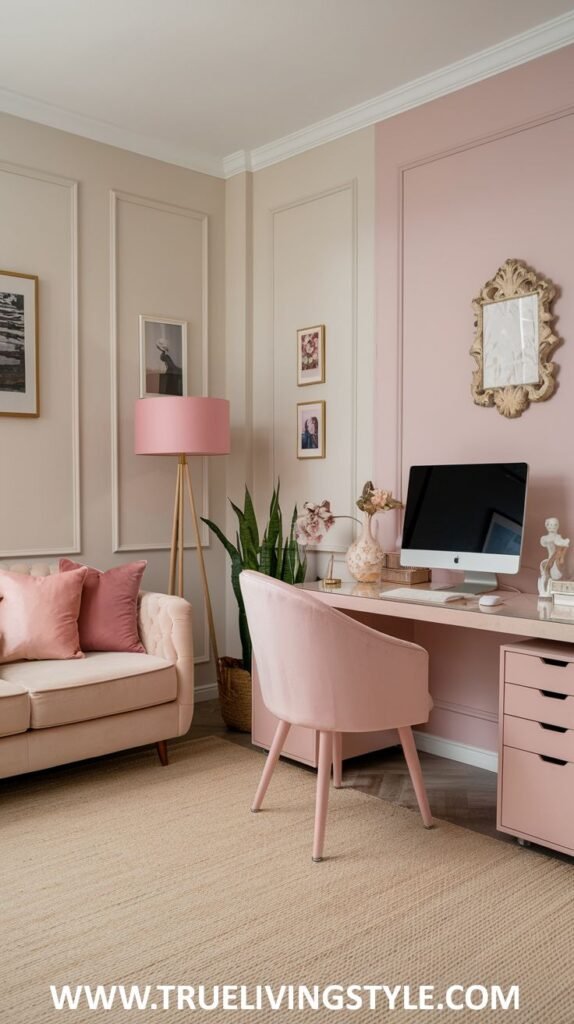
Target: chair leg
(161,748)
(322,800)
(337,760)
(412,758)
(272,759)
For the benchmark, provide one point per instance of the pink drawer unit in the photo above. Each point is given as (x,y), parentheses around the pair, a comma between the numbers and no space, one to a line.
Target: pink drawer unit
(537,799)
(539,705)
(539,737)
(550,671)
(536,744)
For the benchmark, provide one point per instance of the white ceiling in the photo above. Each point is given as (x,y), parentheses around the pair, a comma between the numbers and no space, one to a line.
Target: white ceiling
(219,84)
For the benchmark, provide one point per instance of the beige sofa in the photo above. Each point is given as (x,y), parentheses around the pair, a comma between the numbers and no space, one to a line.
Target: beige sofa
(53,712)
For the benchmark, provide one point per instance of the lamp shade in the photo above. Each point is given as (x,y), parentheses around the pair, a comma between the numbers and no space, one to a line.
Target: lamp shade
(174,425)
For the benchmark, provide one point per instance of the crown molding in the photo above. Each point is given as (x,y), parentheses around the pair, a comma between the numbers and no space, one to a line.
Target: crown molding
(537,41)
(110,134)
(542,39)
(236,163)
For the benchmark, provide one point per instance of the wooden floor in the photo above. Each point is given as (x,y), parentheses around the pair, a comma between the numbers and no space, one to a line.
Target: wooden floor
(457,792)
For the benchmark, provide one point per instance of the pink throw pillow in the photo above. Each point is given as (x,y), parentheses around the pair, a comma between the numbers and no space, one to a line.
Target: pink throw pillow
(39,616)
(109,612)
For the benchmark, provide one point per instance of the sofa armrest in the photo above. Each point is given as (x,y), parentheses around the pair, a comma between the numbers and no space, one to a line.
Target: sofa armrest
(165,628)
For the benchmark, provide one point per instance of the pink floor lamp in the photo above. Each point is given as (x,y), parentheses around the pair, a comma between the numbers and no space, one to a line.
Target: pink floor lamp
(184,426)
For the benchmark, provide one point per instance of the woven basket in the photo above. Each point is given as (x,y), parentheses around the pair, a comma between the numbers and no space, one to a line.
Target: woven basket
(235,694)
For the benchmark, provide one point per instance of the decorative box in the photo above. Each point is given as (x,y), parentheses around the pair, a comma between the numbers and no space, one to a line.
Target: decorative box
(393,559)
(406,576)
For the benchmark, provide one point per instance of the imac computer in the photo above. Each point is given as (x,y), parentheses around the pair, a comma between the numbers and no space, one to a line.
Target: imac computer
(468,517)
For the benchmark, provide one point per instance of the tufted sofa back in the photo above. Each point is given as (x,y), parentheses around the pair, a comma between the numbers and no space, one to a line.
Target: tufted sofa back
(31,568)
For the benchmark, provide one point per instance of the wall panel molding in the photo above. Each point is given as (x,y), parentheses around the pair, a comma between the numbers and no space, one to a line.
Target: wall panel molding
(403,170)
(350,187)
(117,197)
(71,185)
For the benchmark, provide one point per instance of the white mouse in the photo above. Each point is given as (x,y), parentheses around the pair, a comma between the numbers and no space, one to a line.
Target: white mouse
(487,600)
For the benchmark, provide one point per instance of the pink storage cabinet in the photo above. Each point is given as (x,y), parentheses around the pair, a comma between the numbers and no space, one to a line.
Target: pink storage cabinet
(536,744)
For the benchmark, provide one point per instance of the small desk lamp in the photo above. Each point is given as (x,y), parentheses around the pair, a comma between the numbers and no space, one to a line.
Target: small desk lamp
(183,426)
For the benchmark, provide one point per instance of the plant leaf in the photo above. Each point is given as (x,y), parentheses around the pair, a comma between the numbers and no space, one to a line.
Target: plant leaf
(231,550)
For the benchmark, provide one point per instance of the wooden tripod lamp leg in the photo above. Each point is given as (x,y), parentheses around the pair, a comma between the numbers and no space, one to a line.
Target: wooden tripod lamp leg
(182,463)
(174,531)
(186,473)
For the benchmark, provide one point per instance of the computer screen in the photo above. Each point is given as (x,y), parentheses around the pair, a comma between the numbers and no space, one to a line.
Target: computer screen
(465,516)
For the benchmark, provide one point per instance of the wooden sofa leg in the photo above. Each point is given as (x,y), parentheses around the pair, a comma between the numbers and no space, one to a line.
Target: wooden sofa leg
(161,748)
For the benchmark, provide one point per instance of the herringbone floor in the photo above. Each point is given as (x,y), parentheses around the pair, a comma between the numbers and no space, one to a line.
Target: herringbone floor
(457,792)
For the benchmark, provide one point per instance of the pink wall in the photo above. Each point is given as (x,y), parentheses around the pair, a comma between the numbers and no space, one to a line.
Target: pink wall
(463,183)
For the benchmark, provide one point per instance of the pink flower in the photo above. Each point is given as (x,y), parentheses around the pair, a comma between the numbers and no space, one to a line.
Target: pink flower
(373,499)
(313,523)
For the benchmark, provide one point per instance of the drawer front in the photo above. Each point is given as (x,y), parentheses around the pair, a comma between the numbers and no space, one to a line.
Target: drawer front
(539,705)
(537,797)
(530,670)
(526,735)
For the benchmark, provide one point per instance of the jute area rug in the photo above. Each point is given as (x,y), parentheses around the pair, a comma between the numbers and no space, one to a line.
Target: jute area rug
(123,872)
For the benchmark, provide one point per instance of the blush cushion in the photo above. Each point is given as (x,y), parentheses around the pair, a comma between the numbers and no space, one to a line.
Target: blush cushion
(109,611)
(39,616)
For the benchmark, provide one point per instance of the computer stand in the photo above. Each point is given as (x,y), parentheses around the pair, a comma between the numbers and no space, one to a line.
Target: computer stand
(475,583)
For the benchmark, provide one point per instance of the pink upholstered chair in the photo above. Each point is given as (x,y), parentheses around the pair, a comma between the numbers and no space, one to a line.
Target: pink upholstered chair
(322,669)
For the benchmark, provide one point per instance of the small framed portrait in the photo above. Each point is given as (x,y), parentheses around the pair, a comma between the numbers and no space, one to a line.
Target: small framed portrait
(163,356)
(311,430)
(19,372)
(311,355)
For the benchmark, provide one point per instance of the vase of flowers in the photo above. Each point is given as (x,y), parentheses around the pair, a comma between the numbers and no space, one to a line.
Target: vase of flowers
(365,557)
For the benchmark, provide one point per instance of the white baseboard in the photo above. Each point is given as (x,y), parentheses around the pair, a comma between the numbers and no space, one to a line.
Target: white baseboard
(455,751)
(207,691)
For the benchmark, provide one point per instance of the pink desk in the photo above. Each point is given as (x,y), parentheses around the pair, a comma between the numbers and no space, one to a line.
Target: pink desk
(521,614)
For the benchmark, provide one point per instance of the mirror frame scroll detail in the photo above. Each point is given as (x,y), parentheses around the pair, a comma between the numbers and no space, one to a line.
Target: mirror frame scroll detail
(513,280)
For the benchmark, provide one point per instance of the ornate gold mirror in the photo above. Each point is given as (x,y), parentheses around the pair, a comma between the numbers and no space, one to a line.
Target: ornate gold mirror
(513,340)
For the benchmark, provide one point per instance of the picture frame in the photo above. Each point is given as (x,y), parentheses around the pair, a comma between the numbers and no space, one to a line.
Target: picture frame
(311,431)
(19,345)
(513,340)
(163,356)
(311,355)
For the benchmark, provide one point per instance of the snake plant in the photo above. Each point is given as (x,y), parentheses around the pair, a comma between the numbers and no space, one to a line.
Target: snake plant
(272,554)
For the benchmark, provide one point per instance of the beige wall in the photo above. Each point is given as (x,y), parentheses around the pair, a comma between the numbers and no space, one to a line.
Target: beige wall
(305,252)
(110,235)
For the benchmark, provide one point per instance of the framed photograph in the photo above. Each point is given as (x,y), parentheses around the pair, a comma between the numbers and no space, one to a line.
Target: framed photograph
(311,430)
(311,355)
(163,356)
(19,373)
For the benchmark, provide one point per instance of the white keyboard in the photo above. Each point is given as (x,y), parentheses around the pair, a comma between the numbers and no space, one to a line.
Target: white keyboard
(427,596)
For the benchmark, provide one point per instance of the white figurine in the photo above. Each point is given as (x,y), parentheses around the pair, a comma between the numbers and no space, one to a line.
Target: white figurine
(551,566)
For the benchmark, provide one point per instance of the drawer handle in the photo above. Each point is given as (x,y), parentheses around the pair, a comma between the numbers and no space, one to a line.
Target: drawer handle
(555,696)
(555,661)
(552,760)
(553,728)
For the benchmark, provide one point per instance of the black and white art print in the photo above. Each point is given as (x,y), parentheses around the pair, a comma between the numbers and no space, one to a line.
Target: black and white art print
(163,356)
(18,344)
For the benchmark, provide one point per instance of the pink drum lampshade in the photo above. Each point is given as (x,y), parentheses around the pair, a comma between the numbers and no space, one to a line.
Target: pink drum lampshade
(174,425)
